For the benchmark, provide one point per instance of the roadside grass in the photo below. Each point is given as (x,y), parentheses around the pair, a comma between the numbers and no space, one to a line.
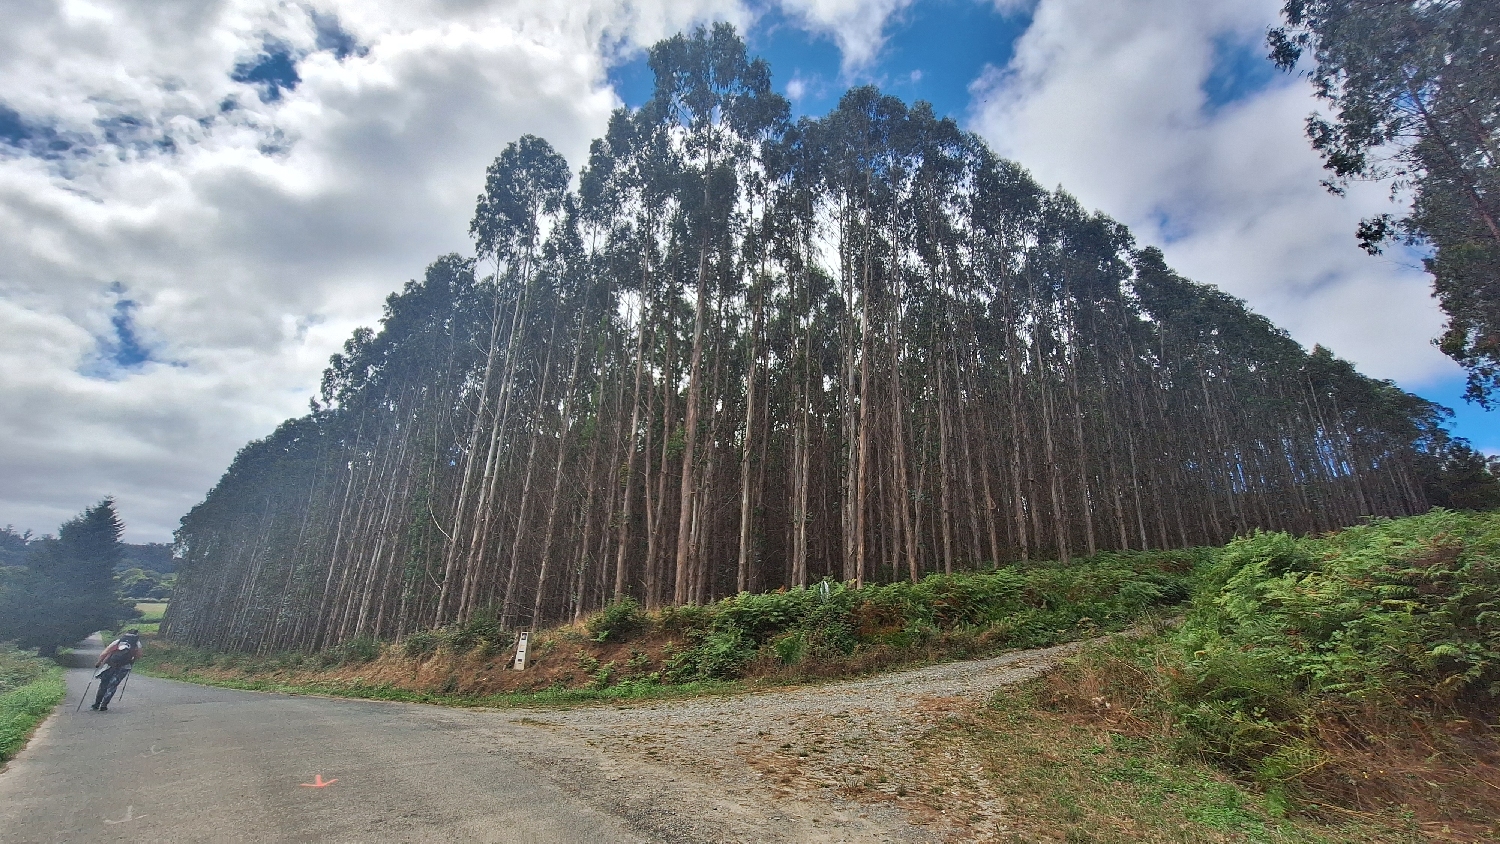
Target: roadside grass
(1422,779)
(29,688)
(1020,770)
(167,663)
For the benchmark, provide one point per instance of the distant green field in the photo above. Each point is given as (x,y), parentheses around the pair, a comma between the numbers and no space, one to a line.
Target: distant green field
(152,610)
(151,615)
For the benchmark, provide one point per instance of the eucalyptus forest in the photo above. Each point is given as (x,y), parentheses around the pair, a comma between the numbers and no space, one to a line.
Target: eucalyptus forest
(736,352)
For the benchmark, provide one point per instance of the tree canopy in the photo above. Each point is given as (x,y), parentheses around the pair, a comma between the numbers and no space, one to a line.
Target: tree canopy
(59,590)
(746,353)
(1414,87)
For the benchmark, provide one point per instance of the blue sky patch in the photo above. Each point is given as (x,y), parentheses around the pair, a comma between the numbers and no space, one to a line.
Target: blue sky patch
(121,350)
(333,37)
(632,81)
(937,48)
(29,138)
(804,66)
(127,349)
(1481,427)
(273,71)
(1240,69)
(13,130)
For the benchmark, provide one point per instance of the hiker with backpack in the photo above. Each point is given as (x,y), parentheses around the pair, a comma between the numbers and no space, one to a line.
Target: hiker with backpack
(117,659)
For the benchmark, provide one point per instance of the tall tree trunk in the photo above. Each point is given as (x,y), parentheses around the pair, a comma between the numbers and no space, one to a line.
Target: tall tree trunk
(631,448)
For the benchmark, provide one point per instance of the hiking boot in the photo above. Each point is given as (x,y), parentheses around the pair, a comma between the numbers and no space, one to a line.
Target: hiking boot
(104,708)
(95,707)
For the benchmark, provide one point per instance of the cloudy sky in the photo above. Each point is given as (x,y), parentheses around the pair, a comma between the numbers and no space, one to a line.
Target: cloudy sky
(199,199)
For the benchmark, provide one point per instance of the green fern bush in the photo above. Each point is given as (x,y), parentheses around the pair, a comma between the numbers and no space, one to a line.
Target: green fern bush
(1016,606)
(1393,616)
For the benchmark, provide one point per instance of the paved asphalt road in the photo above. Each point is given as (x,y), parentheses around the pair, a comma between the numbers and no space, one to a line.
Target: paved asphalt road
(176,762)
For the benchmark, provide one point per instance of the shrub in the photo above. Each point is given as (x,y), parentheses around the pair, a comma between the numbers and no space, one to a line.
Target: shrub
(1016,606)
(953,600)
(355,651)
(1381,612)
(482,632)
(1396,617)
(718,655)
(288,660)
(421,644)
(17,668)
(685,619)
(619,620)
(759,617)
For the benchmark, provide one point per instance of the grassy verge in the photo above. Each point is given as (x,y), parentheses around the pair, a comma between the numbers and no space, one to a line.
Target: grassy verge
(1023,769)
(1354,675)
(29,689)
(369,690)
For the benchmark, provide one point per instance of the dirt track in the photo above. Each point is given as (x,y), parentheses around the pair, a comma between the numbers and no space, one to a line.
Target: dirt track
(822,756)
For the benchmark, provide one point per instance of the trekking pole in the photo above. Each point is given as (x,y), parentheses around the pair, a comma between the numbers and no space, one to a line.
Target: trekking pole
(123,683)
(85,696)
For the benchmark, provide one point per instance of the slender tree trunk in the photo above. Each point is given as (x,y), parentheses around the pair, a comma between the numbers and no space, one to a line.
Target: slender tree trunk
(742,569)
(631,448)
(563,429)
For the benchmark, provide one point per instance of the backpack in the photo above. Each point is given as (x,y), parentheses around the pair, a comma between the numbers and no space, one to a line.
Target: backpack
(124,655)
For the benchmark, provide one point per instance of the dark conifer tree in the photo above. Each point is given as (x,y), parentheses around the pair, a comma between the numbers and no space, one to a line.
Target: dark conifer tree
(65,588)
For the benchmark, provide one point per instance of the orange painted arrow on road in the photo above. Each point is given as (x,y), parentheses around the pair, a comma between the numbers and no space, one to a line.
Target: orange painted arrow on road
(318,782)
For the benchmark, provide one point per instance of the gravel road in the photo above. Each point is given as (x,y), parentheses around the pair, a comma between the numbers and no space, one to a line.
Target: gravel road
(176,762)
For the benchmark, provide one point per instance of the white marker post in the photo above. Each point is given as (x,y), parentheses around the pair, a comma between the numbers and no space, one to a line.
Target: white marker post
(520,663)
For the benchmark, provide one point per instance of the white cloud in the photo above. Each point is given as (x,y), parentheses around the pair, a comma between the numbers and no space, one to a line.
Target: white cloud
(857,26)
(267,231)
(1013,7)
(1108,100)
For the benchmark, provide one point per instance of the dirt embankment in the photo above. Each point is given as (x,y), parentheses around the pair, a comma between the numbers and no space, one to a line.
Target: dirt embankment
(564,658)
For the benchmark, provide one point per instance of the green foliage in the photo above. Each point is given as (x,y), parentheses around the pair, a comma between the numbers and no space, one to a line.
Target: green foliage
(66,589)
(482,633)
(1394,616)
(717,655)
(145,585)
(618,621)
(421,644)
(353,652)
(1019,606)
(17,668)
(1412,94)
(13,546)
(1460,478)
(29,688)
(151,557)
(685,618)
